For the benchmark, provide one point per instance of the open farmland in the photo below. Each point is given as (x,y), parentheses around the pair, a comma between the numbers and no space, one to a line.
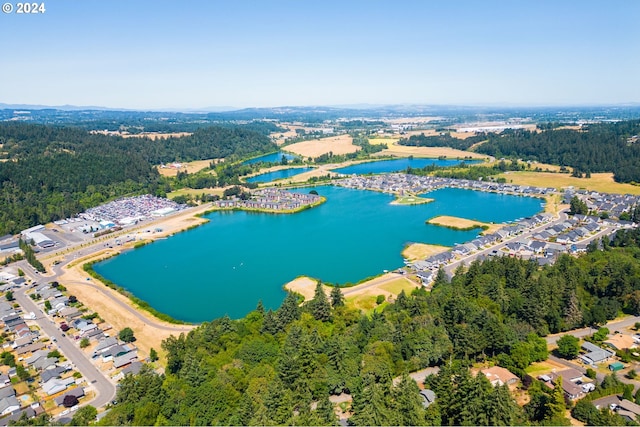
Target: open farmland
(432,152)
(189,167)
(602,182)
(342,144)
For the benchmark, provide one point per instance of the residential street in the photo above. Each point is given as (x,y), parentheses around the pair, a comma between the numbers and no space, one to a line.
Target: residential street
(104,387)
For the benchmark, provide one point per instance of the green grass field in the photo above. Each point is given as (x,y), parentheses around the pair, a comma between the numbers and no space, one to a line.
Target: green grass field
(398,286)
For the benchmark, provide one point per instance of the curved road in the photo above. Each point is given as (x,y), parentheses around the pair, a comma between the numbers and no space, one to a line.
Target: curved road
(107,293)
(104,387)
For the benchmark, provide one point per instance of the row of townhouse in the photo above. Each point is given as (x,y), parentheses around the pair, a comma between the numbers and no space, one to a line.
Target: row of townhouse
(401,183)
(273,199)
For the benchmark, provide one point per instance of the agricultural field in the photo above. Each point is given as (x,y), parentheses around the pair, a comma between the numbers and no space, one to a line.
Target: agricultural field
(342,144)
(188,167)
(602,182)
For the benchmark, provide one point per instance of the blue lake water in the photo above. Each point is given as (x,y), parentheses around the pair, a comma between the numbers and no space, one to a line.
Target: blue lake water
(271,158)
(279,174)
(397,165)
(238,258)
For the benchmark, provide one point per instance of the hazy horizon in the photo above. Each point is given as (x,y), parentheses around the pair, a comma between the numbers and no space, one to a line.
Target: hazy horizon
(199,55)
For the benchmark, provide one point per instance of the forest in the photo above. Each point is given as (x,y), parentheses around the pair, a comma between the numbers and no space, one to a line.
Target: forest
(281,367)
(601,147)
(55,172)
(442,140)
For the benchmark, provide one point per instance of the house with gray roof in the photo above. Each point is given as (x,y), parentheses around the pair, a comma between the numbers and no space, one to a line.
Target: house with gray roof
(40,354)
(125,359)
(6,392)
(428,397)
(45,363)
(133,368)
(8,405)
(30,348)
(594,354)
(56,372)
(78,392)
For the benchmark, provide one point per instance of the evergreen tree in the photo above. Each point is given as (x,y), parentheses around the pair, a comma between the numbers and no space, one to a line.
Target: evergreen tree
(407,403)
(337,299)
(288,311)
(319,305)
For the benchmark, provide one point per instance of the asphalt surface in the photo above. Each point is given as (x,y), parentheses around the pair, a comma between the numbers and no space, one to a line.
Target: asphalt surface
(105,389)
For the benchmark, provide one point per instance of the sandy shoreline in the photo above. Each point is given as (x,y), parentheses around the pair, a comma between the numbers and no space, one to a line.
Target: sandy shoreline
(464,224)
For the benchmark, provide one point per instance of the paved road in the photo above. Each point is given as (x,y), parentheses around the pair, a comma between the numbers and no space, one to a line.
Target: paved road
(105,389)
(581,333)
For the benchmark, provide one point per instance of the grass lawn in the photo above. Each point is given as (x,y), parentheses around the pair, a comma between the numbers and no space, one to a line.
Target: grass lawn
(365,303)
(398,286)
(540,368)
(417,251)
(602,182)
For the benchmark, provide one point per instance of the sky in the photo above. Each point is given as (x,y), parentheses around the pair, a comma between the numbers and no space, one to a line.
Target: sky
(191,54)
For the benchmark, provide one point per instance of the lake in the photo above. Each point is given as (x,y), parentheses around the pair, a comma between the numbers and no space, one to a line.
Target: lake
(398,165)
(238,258)
(279,174)
(271,158)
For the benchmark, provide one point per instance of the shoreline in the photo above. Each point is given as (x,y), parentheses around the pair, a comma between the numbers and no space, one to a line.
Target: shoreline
(463,224)
(155,327)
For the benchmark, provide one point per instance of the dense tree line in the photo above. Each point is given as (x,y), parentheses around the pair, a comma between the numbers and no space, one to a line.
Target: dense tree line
(465,171)
(280,367)
(602,147)
(442,140)
(55,172)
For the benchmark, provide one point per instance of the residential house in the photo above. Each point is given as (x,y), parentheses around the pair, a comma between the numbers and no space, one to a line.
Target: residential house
(8,405)
(104,345)
(56,372)
(428,397)
(620,342)
(45,363)
(78,392)
(629,410)
(133,368)
(125,359)
(31,348)
(498,376)
(56,385)
(594,354)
